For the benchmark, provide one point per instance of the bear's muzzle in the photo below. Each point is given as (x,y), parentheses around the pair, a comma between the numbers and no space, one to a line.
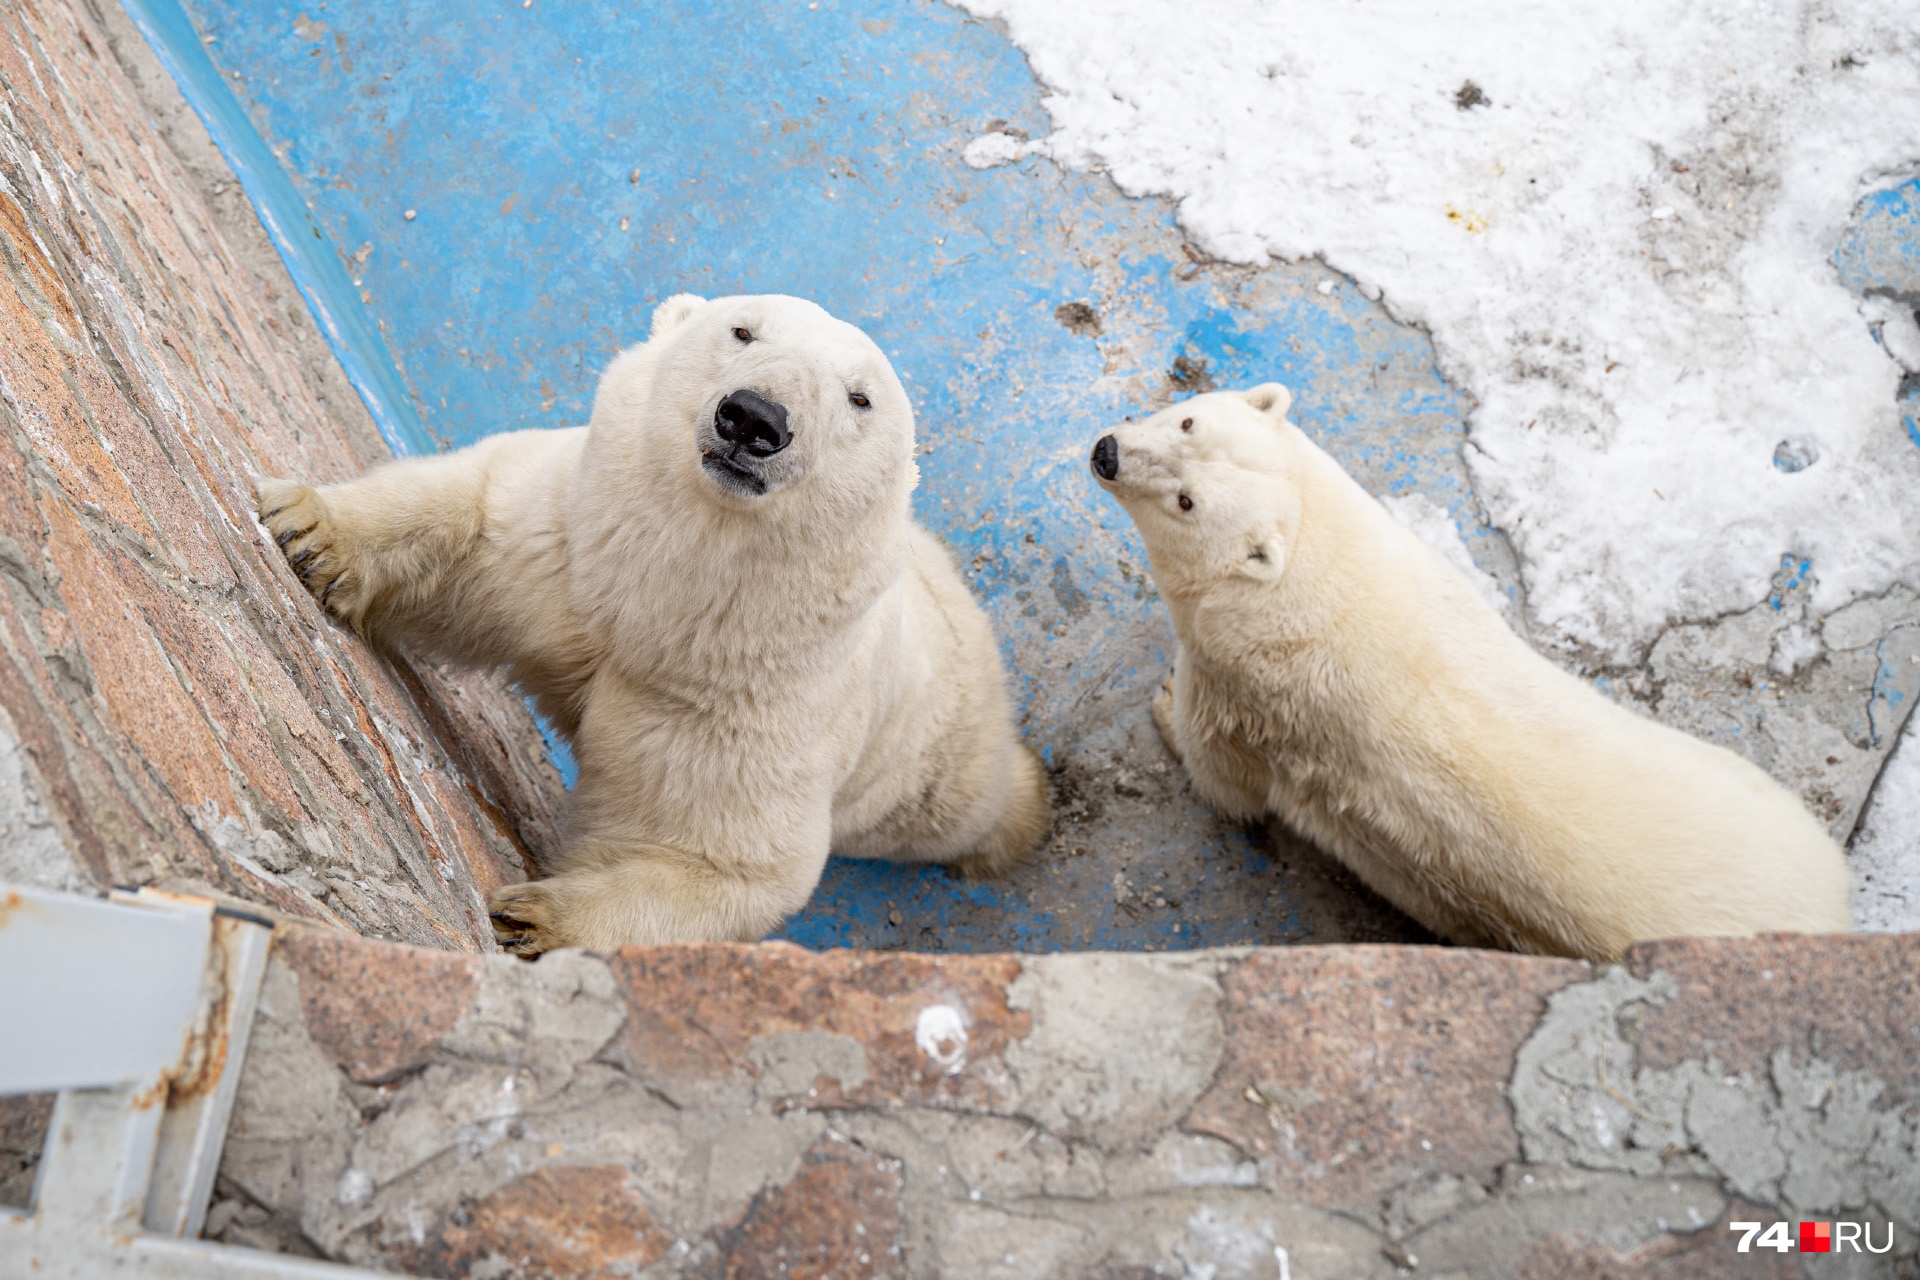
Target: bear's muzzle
(1106,457)
(748,420)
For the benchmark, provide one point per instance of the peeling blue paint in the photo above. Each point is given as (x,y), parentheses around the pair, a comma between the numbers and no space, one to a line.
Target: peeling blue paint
(1791,575)
(1886,698)
(1880,252)
(558,749)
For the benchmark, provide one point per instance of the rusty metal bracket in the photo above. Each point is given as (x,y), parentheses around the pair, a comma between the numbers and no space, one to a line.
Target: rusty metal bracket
(137,1009)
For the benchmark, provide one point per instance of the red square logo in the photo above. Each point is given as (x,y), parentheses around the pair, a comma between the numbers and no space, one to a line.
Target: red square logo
(1816,1237)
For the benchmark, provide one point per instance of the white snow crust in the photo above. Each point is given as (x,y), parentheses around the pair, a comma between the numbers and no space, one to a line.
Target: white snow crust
(1430,522)
(1622,253)
(991,149)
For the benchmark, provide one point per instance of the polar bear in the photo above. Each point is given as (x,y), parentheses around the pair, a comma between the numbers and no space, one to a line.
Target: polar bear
(717,592)
(1335,671)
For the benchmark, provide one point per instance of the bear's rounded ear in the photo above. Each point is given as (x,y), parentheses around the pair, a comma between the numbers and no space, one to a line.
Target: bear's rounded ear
(672,313)
(1266,559)
(1270,398)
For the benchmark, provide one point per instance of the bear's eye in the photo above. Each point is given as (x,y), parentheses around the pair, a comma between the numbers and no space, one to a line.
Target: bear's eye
(1186,424)
(745,335)
(1186,503)
(859,401)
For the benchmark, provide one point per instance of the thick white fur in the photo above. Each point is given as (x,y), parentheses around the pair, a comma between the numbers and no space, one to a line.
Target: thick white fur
(1336,672)
(747,680)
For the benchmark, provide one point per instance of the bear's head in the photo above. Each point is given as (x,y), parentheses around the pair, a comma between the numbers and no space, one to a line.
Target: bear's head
(761,401)
(1211,484)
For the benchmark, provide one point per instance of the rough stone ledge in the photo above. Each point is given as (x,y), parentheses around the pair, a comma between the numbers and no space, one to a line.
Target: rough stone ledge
(708,1111)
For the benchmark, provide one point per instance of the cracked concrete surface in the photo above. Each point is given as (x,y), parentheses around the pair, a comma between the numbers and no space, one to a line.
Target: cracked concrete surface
(1809,1136)
(1075,1071)
(1818,702)
(1886,872)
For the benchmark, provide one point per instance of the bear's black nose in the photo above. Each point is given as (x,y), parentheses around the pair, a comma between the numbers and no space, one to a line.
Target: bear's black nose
(1106,457)
(755,423)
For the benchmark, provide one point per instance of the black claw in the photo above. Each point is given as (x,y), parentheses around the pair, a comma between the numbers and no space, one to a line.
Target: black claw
(268,515)
(290,535)
(515,940)
(300,561)
(328,593)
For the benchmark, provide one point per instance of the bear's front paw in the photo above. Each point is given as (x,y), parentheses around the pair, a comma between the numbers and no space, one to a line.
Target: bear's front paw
(526,918)
(1163,716)
(297,518)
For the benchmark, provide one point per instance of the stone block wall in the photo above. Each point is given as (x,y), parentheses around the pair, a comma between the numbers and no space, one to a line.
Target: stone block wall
(762,1111)
(173,707)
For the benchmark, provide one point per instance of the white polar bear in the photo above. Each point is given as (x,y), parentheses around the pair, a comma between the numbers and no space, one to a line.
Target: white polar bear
(717,592)
(1334,670)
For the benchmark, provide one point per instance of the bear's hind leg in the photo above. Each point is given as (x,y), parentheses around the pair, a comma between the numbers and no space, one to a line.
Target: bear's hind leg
(1023,823)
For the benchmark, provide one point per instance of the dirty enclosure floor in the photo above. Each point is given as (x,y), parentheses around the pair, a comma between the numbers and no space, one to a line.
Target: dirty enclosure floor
(505,192)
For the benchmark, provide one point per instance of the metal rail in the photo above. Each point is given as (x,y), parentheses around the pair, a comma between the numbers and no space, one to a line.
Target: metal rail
(137,1009)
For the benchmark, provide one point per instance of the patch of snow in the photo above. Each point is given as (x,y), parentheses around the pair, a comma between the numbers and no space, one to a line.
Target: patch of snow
(1899,332)
(991,149)
(1794,649)
(1430,522)
(1886,850)
(1616,221)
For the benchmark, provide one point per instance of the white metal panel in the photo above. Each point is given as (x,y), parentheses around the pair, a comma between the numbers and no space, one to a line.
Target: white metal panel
(95,993)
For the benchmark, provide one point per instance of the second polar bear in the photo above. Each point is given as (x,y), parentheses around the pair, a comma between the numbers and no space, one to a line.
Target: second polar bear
(716,590)
(1335,671)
